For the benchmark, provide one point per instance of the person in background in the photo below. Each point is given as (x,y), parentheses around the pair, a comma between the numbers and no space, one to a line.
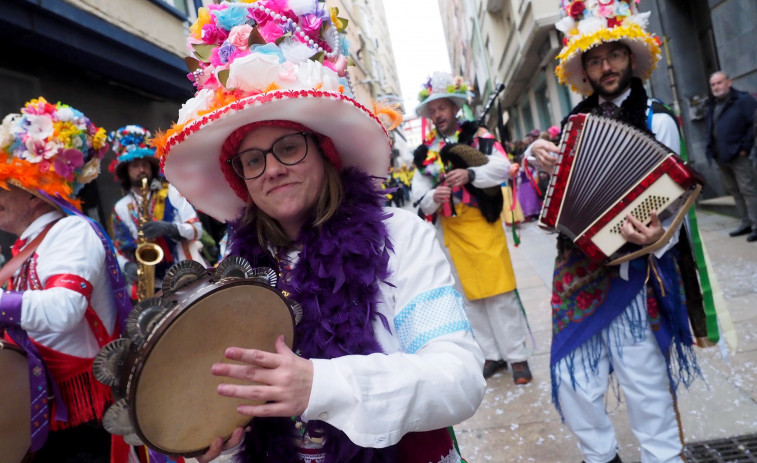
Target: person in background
(473,233)
(730,121)
(171,222)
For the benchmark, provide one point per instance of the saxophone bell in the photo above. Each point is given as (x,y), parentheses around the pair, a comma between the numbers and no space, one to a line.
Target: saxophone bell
(147,254)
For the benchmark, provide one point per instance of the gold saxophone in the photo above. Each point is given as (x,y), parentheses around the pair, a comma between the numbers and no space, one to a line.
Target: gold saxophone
(148,254)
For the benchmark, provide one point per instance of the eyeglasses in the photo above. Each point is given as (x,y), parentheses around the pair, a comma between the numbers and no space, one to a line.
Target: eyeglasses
(614,58)
(288,150)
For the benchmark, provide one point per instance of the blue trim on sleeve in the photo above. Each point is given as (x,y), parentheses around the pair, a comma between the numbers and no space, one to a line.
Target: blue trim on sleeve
(430,315)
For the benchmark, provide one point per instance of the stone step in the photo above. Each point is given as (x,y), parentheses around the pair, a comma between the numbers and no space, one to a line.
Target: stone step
(724,205)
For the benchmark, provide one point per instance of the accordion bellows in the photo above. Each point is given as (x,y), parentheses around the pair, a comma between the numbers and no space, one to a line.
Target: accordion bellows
(605,170)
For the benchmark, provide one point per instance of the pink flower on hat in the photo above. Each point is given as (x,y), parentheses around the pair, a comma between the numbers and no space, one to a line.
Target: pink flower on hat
(311,24)
(38,149)
(240,36)
(67,161)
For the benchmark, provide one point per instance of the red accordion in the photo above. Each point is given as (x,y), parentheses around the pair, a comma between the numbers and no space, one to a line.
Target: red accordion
(605,170)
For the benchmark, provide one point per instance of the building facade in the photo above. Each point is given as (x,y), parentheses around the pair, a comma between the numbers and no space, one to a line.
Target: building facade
(122,62)
(117,62)
(517,40)
(374,74)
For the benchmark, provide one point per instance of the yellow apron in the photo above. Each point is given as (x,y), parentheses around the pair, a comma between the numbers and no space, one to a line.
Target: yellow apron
(479,251)
(508,216)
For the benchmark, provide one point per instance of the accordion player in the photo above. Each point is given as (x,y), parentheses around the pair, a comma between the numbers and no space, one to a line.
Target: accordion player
(605,170)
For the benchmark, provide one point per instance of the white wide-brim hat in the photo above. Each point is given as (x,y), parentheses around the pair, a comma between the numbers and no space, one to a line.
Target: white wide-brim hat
(191,156)
(591,30)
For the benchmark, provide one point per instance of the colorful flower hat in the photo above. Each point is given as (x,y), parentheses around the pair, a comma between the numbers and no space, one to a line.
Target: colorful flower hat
(129,143)
(258,61)
(442,85)
(592,22)
(50,148)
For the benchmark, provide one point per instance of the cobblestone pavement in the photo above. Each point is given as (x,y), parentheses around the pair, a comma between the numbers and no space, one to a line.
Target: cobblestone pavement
(520,424)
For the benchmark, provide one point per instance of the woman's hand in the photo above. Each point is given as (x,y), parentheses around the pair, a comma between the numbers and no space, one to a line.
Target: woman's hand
(638,233)
(279,383)
(219,445)
(545,153)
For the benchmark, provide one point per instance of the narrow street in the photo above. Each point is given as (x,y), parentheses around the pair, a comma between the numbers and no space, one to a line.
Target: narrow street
(520,424)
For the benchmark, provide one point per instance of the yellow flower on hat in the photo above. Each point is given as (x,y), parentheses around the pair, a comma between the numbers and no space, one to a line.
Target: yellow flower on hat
(203,17)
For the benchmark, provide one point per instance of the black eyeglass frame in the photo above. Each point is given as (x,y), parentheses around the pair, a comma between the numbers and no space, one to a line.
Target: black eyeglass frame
(230,161)
(624,52)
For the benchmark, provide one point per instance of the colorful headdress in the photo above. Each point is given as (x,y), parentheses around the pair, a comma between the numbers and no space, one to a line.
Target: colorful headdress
(50,148)
(442,85)
(266,60)
(129,143)
(592,22)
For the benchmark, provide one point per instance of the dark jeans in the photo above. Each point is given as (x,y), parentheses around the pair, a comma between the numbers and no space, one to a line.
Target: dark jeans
(88,443)
(740,180)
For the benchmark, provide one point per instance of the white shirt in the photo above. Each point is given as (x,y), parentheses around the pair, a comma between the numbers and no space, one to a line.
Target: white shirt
(185,220)
(430,376)
(55,317)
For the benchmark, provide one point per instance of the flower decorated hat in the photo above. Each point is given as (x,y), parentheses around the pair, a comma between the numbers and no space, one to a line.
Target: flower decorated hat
(266,60)
(589,23)
(129,143)
(442,85)
(50,149)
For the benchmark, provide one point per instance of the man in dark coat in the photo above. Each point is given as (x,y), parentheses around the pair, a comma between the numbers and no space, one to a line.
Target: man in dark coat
(730,118)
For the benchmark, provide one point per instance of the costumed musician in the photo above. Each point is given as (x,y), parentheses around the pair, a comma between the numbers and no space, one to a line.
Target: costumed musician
(66,293)
(609,318)
(472,231)
(167,220)
(385,358)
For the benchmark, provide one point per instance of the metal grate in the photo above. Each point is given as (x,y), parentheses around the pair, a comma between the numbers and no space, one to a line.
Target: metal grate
(741,449)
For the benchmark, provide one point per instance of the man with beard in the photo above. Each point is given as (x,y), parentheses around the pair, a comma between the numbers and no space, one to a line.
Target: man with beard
(628,326)
(172,222)
(473,234)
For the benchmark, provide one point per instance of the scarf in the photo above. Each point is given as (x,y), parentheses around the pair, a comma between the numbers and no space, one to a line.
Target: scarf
(339,266)
(587,297)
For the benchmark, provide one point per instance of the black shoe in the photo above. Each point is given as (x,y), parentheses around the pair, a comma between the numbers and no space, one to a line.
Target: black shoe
(614,460)
(743,230)
(493,366)
(752,236)
(521,373)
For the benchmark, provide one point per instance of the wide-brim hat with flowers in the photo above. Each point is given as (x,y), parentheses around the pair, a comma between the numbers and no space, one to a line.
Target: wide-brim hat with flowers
(589,23)
(442,85)
(50,148)
(264,61)
(131,142)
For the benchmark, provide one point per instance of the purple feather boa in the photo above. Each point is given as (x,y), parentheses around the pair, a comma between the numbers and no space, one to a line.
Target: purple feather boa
(339,266)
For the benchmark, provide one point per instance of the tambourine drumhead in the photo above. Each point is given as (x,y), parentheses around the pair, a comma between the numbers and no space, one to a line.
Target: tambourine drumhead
(15,427)
(176,408)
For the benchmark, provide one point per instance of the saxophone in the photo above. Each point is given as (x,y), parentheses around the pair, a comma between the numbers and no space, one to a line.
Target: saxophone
(148,254)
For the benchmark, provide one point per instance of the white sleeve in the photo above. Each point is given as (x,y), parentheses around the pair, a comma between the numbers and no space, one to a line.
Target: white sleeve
(186,218)
(422,189)
(666,131)
(492,173)
(432,380)
(60,309)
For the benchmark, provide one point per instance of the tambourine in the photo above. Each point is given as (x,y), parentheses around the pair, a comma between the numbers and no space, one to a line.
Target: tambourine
(165,396)
(15,405)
